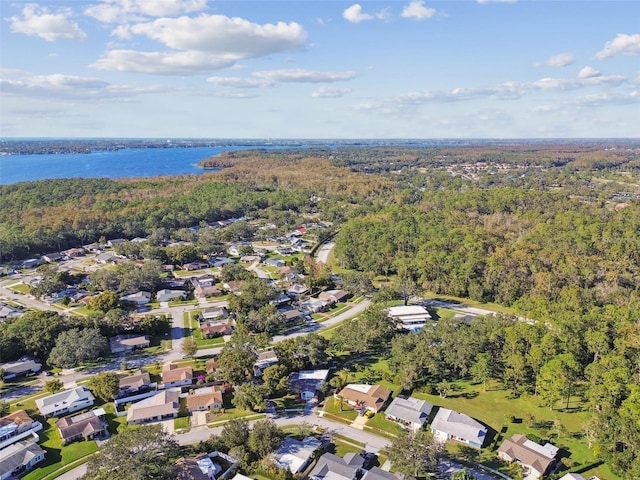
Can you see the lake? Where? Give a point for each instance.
(138, 162)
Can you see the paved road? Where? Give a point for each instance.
(322, 255)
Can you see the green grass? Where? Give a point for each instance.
(58, 455)
(379, 424)
(182, 423)
(494, 406)
(20, 288)
(332, 407)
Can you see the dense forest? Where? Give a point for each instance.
(549, 229)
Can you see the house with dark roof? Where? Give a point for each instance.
(24, 366)
(411, 411)
(333, 467)
(365, 397)
(334, 296)
(213, 330)
(132, 384)
(450, 425)
(85, 426)
(377, 473)
(535, 459)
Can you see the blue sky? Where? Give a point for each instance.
(320, 69)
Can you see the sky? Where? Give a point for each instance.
(320, 69)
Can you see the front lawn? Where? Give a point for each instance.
(58, 455)
(333, 409)
(380, 425)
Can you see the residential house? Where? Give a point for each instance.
(296, 455)
(127, 343)
(64, 402)
(266, 359)
(577, 476)
(535, 459)
(106, 257)
(166, 295)
(275, 262)
(115, 241)
(203, 399)
(161, 406)
(85, 426)
(297, 289)
(24, 366)
(75, 252)
(220, 262)
(249, 259)
(174, 376)
(212, 466)
(314, 305)
(197, 265)
(334, 296)
(450, 425)
(291, 315)
(132, 384)
(138, 298)
(410, 317)
(213, 330)
(377, 473)
(307, 382)
(31, 263)
(17, 426)
(281, 299)
(19, 458)
(214, 313)
(411, 411)
(53, 257)
(365, 397)
(333, 467)
(233, 286)
(9, 311)
(201, 292)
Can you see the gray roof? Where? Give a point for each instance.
(410, 409)
(17, 455)
(378, 474)
(337, 466)
(459, 425)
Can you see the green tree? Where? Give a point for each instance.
(107, 300)
(276, 379)
(105, 385)
(557, 378)
(249, 396)
(413, 452)
(4, 408)
(256, 293)
(234, 433)
(54, 385)
(75, 346)
(237, 359)
(463, 474)
(189, 346)
(135, 453)
(265, 437)
(482, 370)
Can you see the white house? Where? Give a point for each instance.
(307, 382)
(166, 295)
(65, 402)
(139, 298)
(409, 411)
(296, 455)
(450, 425)
(410, 317)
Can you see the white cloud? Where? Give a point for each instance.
(39, 21)
(201, 44)
(330, 92)
(354, 14)
(502, 91)
(416, 9)
(71, 87)
(601, 99)
(560, 60)
(588, 72)
(545, 108)
(166, 63)
(268, 78)
(114, 11)
(621, 45)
